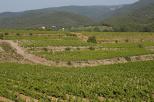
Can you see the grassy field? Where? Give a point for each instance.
(132, 43)
(19, 31)
(129, 82)
(91, 54)
(121, 82)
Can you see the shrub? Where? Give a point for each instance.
(69, 63)
(140, 46)
(17, 34)
(116, 41)
(1, 36)
(67, 49)
(127, 40)
(78, 48)
(45, 49)
(91, 48)
(92, 39)
(6, 33)
(128, 58)
(30, 34)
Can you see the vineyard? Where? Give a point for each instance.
(125, 82)
(57, 66)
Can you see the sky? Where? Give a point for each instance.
(22, 5)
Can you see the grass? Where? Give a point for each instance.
(127, 45)
(26, 31)
(119, 34)
(130, 36)
(91, 54)
(56, 39)
(34, 37)
(130, 82)
(54, 42)
(121, 82)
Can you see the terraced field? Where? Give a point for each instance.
(67, 46)
(125, 82)
(76, 67)
(132, 81)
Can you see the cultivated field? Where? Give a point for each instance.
(76, 67)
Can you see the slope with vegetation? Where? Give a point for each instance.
(36, 19)
(134, 17)
(121, 82)
(63, 66)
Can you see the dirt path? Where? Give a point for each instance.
(1, 50)
(71, 48)
(3, 99)
(38, 60)
(26, 98)
(21, 51)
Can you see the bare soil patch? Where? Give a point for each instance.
(8, 54)
(70, 48)
(1, 49)
(21, 51)
(3, 99)
(68, 98)
(81, 36)
(26, 98)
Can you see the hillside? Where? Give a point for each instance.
(132, 17)
(60, 16)
(30, 19)
(96, 13)
(135, 17)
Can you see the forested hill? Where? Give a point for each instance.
(135, 17)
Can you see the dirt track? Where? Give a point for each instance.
(21, 51)
(38, 60)
(3, 99)
(72, 48)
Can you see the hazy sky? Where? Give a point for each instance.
(20, 5)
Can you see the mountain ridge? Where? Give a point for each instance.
(135, 17)
(132, 17)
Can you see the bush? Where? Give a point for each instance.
(91, 48)
(17, 34)
(128, 58)
(67, 49)
(30, 34)
(45, 49)
(6, 33)
(1, 36)
(140, 46)
(116, 41)
(92, 39)
(69, 63)
(126, 40)
(78, 48)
